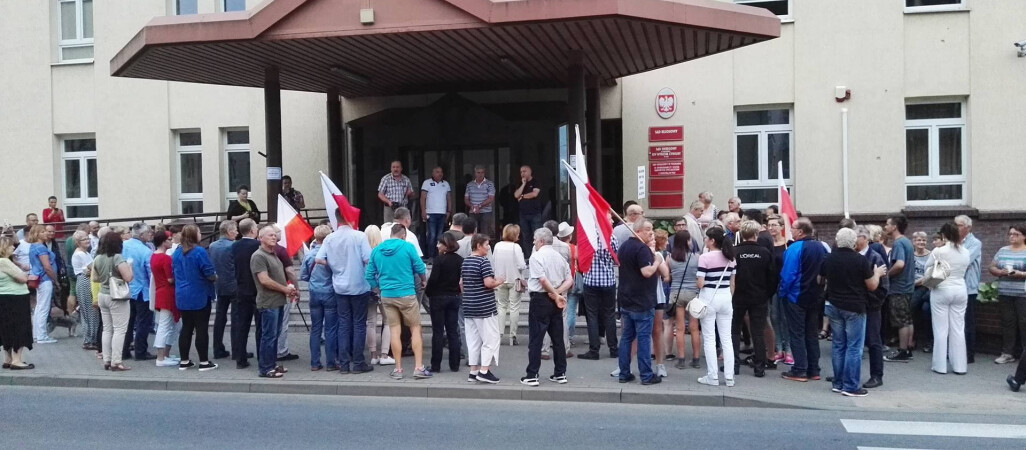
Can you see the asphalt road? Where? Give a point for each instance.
(91, 418)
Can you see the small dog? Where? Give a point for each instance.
(58, 318)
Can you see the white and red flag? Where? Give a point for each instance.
(335, 201)
(787, 210)
(593, 227)
(294, 230)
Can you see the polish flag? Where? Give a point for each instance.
(787, 210)
(294, 230)
(593, 227)
(334, 201)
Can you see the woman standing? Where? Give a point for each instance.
(243, 208)
(683, 267)
(115, 313)
(948, 302)
(921, 295)
(1009, 265)
(323, 309)
(44, 271)
(52, 214)
(778, 308)
(81, 262)
(510, 266)
(15, 318)
(716, 288)
(659, 323)
(443, 289)
(194, 277)
(374, 311)
(480, 323)
(168, 316)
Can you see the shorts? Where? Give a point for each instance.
(682, 298)
(401, 310)
(901, 310)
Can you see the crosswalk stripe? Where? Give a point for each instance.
(979, 430)
(885, 448)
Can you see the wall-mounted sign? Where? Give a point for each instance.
(666, 103)
(667, 185)
(274, 173)
(641, 182)
(666, 201)
(662, 134)
(666, 168)
(666, 152)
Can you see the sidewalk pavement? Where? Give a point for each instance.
(907, 386)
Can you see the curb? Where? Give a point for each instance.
(406, 390)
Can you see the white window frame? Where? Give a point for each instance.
(82, 158)
(186, 150)
(763, 131)
(235, 148)
(963, 5)
(789, 17)
(934, 178)
(223, 4)
(79, 40)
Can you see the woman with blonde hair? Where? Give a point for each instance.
(510, 266)
(15, 315)
(44, 274)
(114, 312)
(374, 311)
(81, 264)
(323, 309)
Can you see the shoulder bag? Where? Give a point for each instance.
(936, 273)
(119, 290)
(699, 307)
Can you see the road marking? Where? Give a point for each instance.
(980, 430)
(885, 448)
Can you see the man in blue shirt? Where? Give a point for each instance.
(227, 286)
(903, 282)
(800, 287)
(137, 254)
(346, 252)
(972, 281)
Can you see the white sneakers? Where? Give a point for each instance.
(709, 381)
(661, 370)
(168, 362)
(1004, 359)
(385, 361)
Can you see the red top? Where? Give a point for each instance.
(53, 215)
(160, 265)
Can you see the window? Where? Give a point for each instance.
(233, 5)
(185, 7)
(781, 8)
(934, 5)
(190, 172)
(75, 29)
(81, 196)
(236, 146)
(762, 139)
(935, 153)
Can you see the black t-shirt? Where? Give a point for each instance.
(846, 272)
(636, 293)
(445, 275)
(531, 206)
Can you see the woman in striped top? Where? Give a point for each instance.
(481, 325)
(716, 287)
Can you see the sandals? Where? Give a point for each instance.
(281, 369)
(272, 374)
(822, 335)
(119, 368)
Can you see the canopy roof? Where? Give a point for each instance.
(422, 46)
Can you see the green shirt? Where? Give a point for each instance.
(103, 266)
(8, 270)
(264, 261)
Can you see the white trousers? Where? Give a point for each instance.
(482, 340)
(508, 300)
(373, 312)
(947, 307)
(719, 318)
(115, 316)
(167, 330)
(44, 298)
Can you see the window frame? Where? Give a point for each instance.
(187, 150)
(83, 181)
(963, 5)
(934, 178)
(235, 148)
(789, 17)
(763, 132)
(79, 41)
(223, 4)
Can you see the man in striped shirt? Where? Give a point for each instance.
(480, 198)
(394, 189)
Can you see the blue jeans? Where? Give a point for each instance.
(352, 329)
(636, 325)
(778, 318)
(529, 223)
(803, 325)
(435, 228)
(324, 318)
(849, 332)
(572, 299)
(269, 322)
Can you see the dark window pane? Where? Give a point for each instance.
(191, 169)
(933, 111)
(234, 5)
(83, 212)
(767, 117)
(779, 150)
(91, 178)
(747, 157)
(778, 7)
(935, 192)
(917, 153)
(238, 170)
(183, 7)
(69, 21)
(911, 3)
(79, 145)
(72, 179)
(238, 137)
(759, 195)
(192, 207)
(190, 138)
(950, 151)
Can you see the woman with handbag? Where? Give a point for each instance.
(113, 274)
(44, 276)
(683, 265)
(945, 276)
(510, 266)
(194, 277)
(81, 263)
(15, 315)
(716, 288)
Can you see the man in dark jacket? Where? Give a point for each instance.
(874, 319)
(754, 284)
(799, 285)
(242, 253)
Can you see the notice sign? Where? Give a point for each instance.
(641, 182)
(274, 173)
(664, 134)
(666, 152)
(666, 169)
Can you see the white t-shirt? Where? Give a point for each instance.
(21, 253)
(436, 195)
(411, 237)
(80, 260)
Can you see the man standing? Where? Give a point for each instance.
(457, 225)
(31, 220)
(622, 232)
(392, 268)
(637, 294)
(755, 279)
(394, 190)
(479, 199)
(972, 281)
(874, 316)
(800, 287)
(694, 227)
(734, 206)
(273, 291)
(292, 196)
(227, 287)
(137, 254)
(529, 204)
(346, 252)
(435, 208)
(401, 216)
(903, 283)
(242, 252)
(547, 303)
(286, 310)
(94, 239)
(600, 302)
(732, 222)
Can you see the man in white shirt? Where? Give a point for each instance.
(435, 208)
(548, 301)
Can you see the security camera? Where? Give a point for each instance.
(1022, 48)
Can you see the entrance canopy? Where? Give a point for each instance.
(424, 46)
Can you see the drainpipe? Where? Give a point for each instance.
(844, 157)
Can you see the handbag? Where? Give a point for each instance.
(699, 307)
(119, 290)
(936, 273)
(33, 282)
